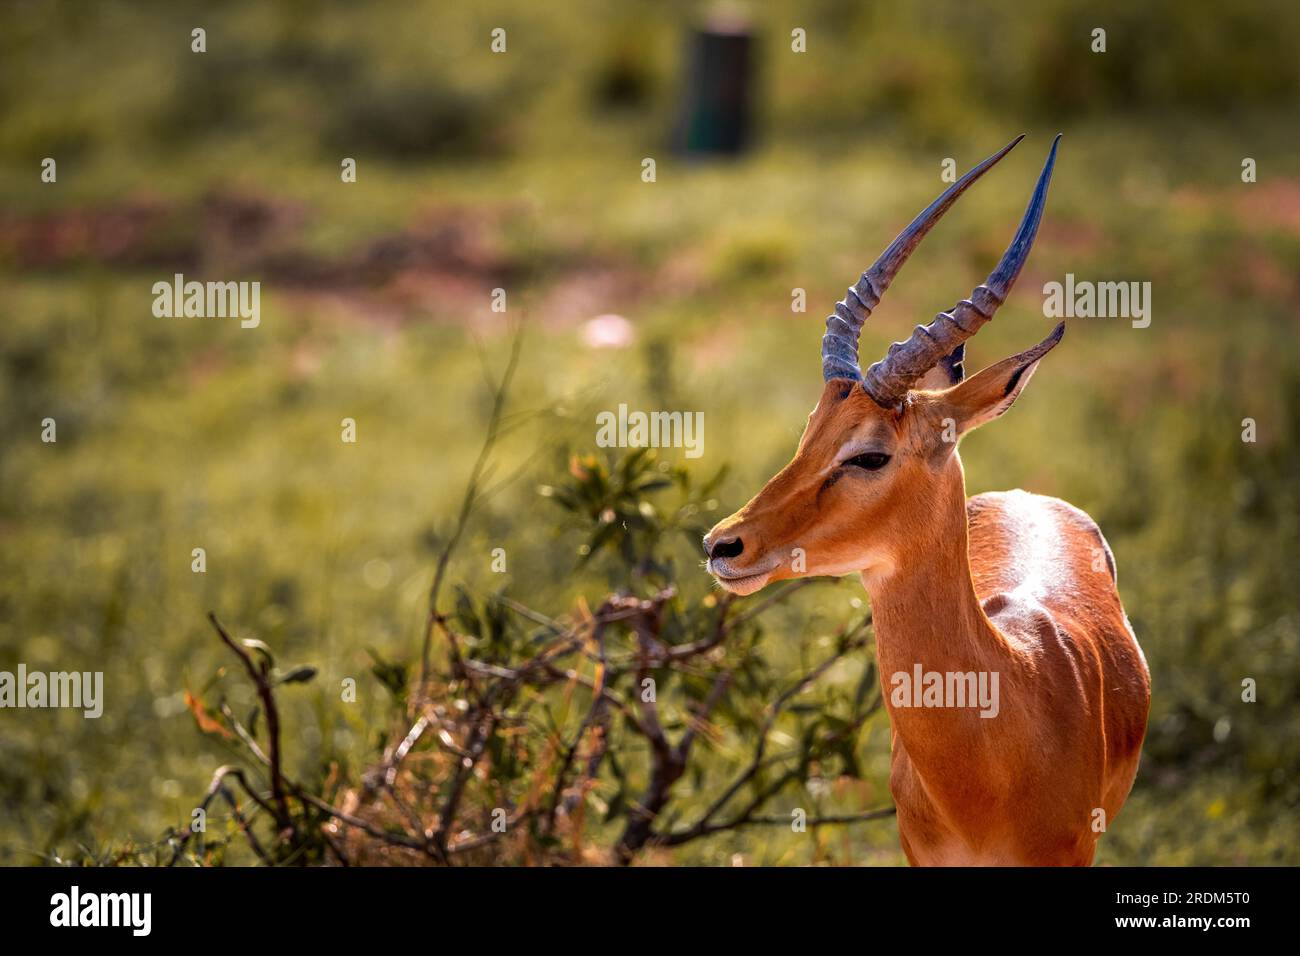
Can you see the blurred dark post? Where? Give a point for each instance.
(717, 106)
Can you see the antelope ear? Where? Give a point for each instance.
(986, 395)
(949, 371)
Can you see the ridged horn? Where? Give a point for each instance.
(889, 379)
(840, 343)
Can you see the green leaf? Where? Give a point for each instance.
(865, 686)
(392, 674)
(301, 674)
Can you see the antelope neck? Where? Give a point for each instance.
(926, 612)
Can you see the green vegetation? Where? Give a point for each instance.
(522, 171)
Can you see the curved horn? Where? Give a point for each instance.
(889, 379)
(840, 343)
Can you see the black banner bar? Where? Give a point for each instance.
(366, 905)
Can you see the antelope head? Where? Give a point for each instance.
(876, 463)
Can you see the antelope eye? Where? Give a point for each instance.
(871, 461)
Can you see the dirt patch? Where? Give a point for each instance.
(443, 265)
(1274, 203)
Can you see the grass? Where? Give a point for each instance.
(178, 434)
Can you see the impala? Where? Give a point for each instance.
(1012, 585)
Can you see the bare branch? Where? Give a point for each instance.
(472, 491)
(283, 817)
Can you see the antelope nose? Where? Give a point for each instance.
(726, 548)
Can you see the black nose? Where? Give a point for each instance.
(727, 548)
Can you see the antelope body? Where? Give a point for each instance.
(1010, 584)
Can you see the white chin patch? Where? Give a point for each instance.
(743, 586)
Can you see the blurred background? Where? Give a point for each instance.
(522, 170)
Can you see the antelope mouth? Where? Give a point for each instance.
(741, 583)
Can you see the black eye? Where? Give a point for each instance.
(872, 460)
